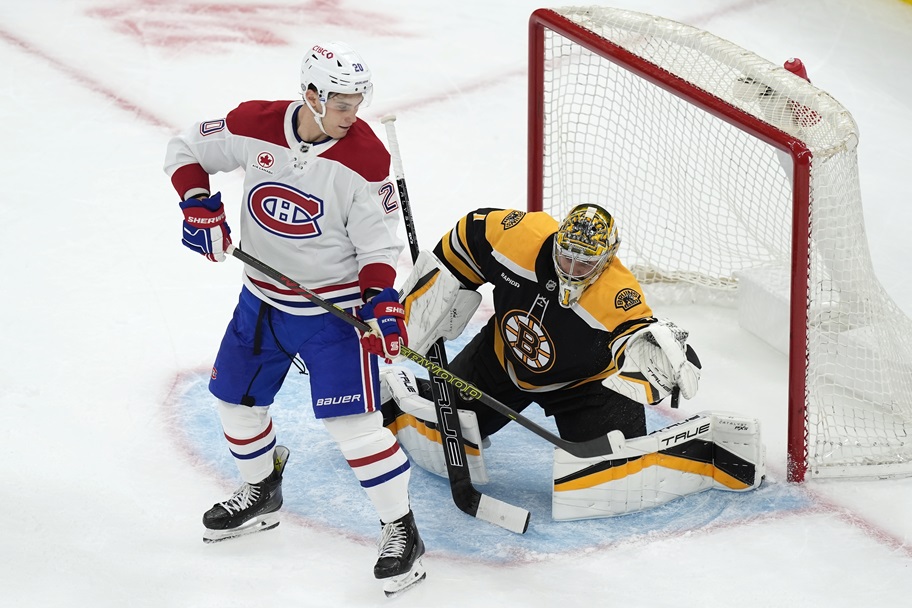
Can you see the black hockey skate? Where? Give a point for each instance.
(253, 508)
(401, 549)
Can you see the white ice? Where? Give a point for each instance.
(109, 450)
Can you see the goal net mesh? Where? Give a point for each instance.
(706, 154)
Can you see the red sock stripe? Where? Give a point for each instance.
(360, 462)
(252, 439)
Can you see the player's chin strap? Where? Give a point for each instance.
(318, 118)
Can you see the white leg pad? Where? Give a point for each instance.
(417, 430)
(710, 450)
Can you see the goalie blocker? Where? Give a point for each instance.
(712, 450)
(436, 304)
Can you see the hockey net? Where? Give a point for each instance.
(725, 170)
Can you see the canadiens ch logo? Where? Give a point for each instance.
(627, 298)
(513, 218)
(265, 160)
(284, 211)
(528, 340)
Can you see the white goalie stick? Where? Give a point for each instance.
(465, 495)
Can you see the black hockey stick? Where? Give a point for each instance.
(600, 446)
(465, 495)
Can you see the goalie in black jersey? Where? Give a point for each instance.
(571, 332)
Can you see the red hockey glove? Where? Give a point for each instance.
(205, 229)
(386, 316)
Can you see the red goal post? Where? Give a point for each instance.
(736, 181)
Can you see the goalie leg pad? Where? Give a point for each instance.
(710, 450)
(436, 305)
(415, 426)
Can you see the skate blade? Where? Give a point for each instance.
(396, 585)
(257, 524)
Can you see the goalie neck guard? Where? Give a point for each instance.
(584, 245)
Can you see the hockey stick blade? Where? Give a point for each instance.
(465, 495)
(599, 446)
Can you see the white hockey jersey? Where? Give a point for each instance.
(325, 215)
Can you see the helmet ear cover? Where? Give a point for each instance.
(585, 243)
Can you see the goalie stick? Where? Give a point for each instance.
(465, 495)
(600, 446)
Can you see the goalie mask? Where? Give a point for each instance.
(584, 245)
(335, 67)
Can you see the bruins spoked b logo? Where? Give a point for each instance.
(528, 340)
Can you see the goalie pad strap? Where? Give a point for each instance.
(710, 450)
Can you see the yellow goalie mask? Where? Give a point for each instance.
(584, 245)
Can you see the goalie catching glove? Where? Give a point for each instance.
(654, 361)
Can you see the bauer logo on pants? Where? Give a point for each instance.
(284, 211)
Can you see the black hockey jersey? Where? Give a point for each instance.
(541, 345)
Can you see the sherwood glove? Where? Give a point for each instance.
(205, 229)
(386, 316)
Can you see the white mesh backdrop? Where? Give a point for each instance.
(698, 201)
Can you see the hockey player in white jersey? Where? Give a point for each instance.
(319, 206)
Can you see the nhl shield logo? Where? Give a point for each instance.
(513, 218)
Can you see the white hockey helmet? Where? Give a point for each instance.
(334, 67)
(584, 245)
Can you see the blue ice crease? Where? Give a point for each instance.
(320, 487)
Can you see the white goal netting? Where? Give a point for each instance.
(722, 167)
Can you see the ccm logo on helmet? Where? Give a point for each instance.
(321, 51)
(284, 211)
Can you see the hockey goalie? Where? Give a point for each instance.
(571, 332)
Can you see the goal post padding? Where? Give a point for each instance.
(728, 176)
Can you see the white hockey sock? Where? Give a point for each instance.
(251, 439)
(376, 459)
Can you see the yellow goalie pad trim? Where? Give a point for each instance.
(651, 460)
(407, 420)
(412, 297)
